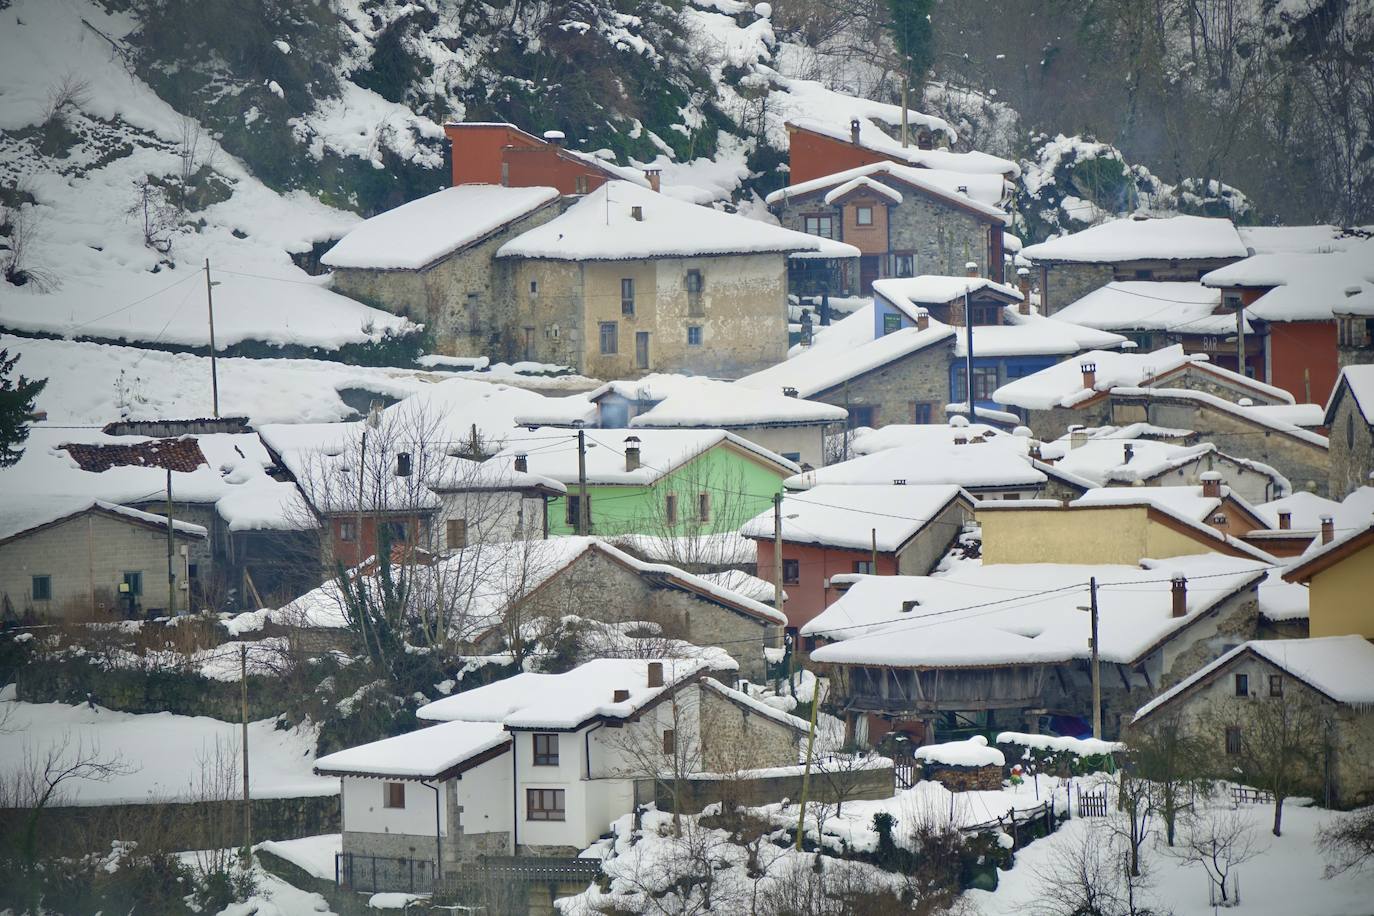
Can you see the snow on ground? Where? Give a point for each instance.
(162, 752)
(275, 897)
(312, 854)
(1286, 879)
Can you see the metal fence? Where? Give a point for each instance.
(371, 874)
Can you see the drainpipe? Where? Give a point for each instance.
(514, 796)
(438, 842)
(587, 748)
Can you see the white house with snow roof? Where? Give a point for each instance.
(543, 763)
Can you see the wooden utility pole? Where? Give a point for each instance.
(583, 516)
(778, 599)
(806, 772)
(968, 357)
(906, 124)
(171, 549)
(214, 370)
(247, 803)
(1240, 339)
(1096, 665)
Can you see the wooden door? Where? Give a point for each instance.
(641, 349)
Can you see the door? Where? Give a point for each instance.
(868, 272)
(641, 349)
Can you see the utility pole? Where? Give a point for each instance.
(968, 357)
(806, 773)
(583, 516)
(1096, 665)
(777, 587)
(906, 124)
(247, 803)
(171, 540)
(214, 370)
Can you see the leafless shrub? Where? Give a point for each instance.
(1217, 841)
(23, 227)
(1348, 843)
(70, 90)
(157, 215)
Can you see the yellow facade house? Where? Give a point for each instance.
(1340, 577)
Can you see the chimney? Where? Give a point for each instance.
(1023, 277)
(789, 392)
(522, 462)
(655, 177)
(1328, 529)
(1211, 485)
(655, 674)
(631, 453)
(620, 696)
(1180, 595)
(854, 131)
(960, 437)
(637, 214)
(1285, 521)
(1035, 451)
(1089, 375)
(962, 189)
(1078, 435)
(971, 268)
(403, 464)
(554, 137)
(922, 319)
(1127, 452)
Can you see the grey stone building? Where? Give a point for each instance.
(905, 222)
(1350, 417)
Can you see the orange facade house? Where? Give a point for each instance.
(503, 154)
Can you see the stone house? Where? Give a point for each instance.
(1229, 703)
(1350, 418)
(839, 530)
(431, 260)
(84, 559)
(1339, 574)
(627, 282)
(542, 764)
(905, 221)
(1355, 330)
(1180, 248)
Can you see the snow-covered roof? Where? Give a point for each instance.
(935, 436)
(1027, 613)
(1296, 239)
(601, 226)
(983, 192)
(1319, 556)
(449, 410)
(866, 183)
(873, 138)
(695, 402)
(661, 451)
(1306, 510)
(564, 701)
(742, 583)
(19, 514)
(1341, 667)
(974, 466)
(418, 233)
(1079, 747)
(739, 697)
(1103, 460)
(425, 753)
(908, 293)
(845, 351)
(856, 517)
(971, 752)
(1308, 416)
(1360, 381)
(1138, 305)
(1258, 418)
(1177, 237)
(1033, 335)
(1185, 504)
(1305, 287)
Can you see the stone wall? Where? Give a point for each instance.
(825, 786)
(894, 389)
(1064, 284)
(1352, 449)
(965, 779)
(734, 737)
(1195, 379)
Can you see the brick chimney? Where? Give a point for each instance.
(1089, 375)
(1023, 280)
(554, 137)
(922, 319)
(403, 464)
(971, 268)
(655, 177)
(854, 131)
(631, 453)
(1328, 529)
(960, 437)
(620, 696)
(522, 462)
(655, 674)
(1179, 591)
(1035, 451)
(1211, 485)
(1285, 521)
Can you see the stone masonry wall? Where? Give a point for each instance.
(1352, 449)
(853, 785)
(966, 779)
(893, 390)
(733, 737)
(1070, 282)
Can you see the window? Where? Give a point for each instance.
(1233, 739)
(580, 184)
(1144, 274)
(695, 284)
(348, 530)
(457, 533)
(985, 313)
(545, 750)
(903, 265)
(824, 226)
(41, 588)
(860, 415)
(794, 457)
(474, 320)
(393, 795)
(694, 281)
(1276, 685)
(534, 287)
(670, 508)
(891, 322)
(669, 741)
(791, 572)
(704, 506)
(1242, 685)
(984, 384)
(134, 581)
(610, 339)
(572, 505)
(694, 335)
(922, 412)
(544, 805)
(627, 296)
(641, 349)
(863, 216)
(864, 567)
(396, 532)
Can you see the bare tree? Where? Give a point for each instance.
(45, 776)
(156, 214)
(1082, 877)
(70, 90)
(1174, 761)
(1348, 843)
(1131, 824)
(1217, 842)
